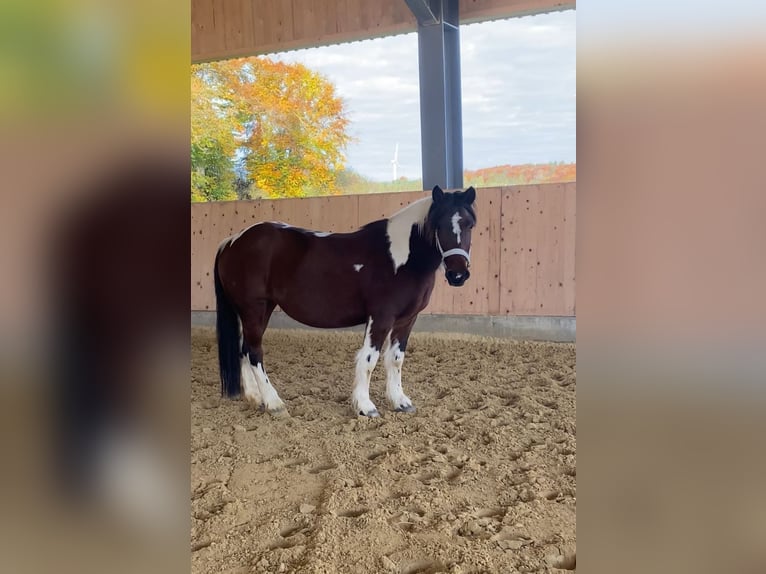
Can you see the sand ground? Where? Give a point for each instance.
(481, 479)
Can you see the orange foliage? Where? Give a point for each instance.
(289, 120)
(522, 174)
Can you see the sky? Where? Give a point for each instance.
(518, 92)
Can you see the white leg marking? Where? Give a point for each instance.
(358, 267)
(366, 359)
(250, 383)
(271, 399)
(456, 226)
(393, 359)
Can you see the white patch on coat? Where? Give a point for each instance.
(366, 359)
(393, 359)
(358, 267)
(456, 226)
(399, 227)
(321, 233)
(223, 245)
(271, 399)
(250, 383)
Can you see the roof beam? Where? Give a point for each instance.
(423, 12)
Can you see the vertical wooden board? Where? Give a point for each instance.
(238, 24)
(218, 39)
(518, 266)
(305, 21)
(341, 22)
(194, 245)
(527, 289)
(278, 21)
(352, 15)
(261, 15)
(550, 268)
(509, 245)
(492, 215)
(370, 15)
(569, 247)
(330, 13)
(204, 39)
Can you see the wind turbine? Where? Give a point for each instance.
(395, 161)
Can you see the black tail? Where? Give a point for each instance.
(227, 328)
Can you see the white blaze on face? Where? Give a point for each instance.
(358, 267)
(456, 226)
(366, 359)
(399, 227)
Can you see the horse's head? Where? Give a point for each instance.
(451, 219)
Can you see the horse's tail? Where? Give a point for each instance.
(227, 329)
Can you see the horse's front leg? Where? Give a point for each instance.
(366, 359)
(393, 359)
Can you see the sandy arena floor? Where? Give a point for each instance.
(481, 479)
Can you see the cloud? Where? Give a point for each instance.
(518, 93)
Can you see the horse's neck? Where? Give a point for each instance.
(425, 254)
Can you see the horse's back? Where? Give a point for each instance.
(309, 274)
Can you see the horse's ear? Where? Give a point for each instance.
(469, 195)
(437, 194)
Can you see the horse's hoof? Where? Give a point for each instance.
(405, 409)
(279, 413)
(255, 404)
(372, 414)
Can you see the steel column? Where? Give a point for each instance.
(441, 129)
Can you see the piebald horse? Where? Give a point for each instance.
(381, 275)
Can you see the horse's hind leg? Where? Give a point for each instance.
(254, 322)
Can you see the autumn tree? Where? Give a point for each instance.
(282, 123)
(213, 143)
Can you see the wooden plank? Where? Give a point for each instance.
(306, 23)
(205, 38)
(238, 24)
(492, 279)
(569, 248)
(518, 275)
(550, 268)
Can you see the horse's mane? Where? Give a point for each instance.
(399, 228)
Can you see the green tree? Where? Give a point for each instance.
(212, 143)
(284, 122)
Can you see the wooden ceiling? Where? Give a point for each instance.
(223, 29)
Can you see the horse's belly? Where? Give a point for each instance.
(325, 306)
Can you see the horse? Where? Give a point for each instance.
(381, 276)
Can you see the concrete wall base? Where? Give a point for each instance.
(526, 328)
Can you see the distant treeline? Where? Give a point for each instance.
(351, 182)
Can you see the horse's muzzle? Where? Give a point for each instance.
(457, 278)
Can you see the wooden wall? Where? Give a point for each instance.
(522, 256)
(224, 29)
